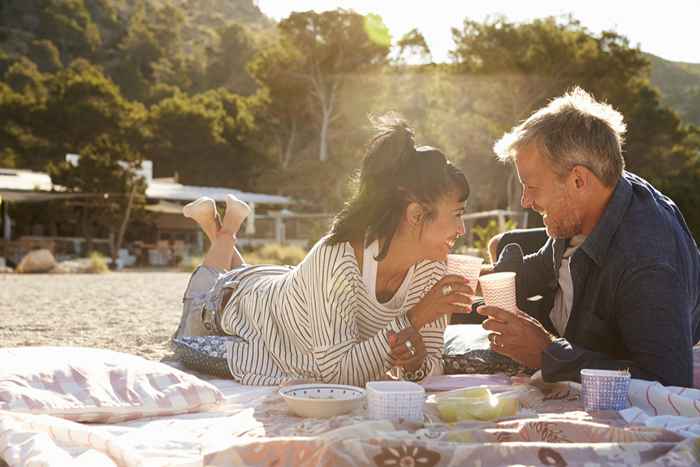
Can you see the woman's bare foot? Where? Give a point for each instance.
(236, 212)
(203, 211)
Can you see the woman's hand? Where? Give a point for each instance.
(407, 349)
(451, 294)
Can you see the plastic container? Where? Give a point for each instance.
(395, 400)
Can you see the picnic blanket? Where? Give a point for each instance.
(253, 427)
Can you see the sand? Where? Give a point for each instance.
(134, 312)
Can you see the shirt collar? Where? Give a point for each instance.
(598, 241)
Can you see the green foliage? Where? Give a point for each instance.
(413, 46)
(274, 253)
(214, 91)
(98, 263)
(204, 138)
(190, 263)
(483, 234)
(679, 84)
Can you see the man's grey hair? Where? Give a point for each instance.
(572, 130)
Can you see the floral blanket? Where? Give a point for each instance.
(552, 429)
(254, 427)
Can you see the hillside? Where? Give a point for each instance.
(679, 84)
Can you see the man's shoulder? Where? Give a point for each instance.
(652, 226)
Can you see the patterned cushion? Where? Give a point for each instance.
(97, 385)
(467, 352)
(205, 354)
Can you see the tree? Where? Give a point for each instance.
(331, 46)
(529, 63)
(68, 24)
(107, 174)
(228, 60)
(286, 113)
(412, 48)
(204, 138)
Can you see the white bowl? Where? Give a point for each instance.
(322, 400)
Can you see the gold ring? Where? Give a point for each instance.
(446, 290)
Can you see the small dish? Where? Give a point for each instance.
(322, 400)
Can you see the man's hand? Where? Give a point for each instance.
(516, 335)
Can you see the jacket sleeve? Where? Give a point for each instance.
(653, 315)
(534, 273)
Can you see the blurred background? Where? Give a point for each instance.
(115, 113)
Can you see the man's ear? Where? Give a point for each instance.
(581, 177)
(414, 213)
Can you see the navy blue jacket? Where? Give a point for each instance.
(636, 284)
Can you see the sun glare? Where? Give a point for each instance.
(668, 30)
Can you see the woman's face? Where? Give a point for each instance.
(440, 233)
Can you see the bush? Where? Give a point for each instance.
(485, 233)
(275, 253)
(98, 263)
(190, 263)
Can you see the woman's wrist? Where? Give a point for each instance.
(412, 316)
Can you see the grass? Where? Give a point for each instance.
(271, 253)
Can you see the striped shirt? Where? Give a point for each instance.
(317, 321)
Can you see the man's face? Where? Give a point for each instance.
(545, 192)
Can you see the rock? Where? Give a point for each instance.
(37, 261)
(75, 266)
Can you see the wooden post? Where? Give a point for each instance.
(250, 222)
(6, 221)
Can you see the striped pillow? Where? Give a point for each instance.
(96, 385)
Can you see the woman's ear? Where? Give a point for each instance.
(415, 214)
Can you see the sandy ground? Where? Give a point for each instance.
(134, 312)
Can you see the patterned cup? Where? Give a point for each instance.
(498, 290)
(466, 266)
(605, 389)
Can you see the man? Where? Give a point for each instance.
(620, 271)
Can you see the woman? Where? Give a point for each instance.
(369, 296)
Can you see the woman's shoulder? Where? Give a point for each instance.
(331, 254)
(429, 272)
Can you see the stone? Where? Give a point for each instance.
(37, 261)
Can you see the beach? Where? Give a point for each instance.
(133, 312)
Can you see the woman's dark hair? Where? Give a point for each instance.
(395, 173)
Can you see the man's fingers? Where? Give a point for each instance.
(491, 324)
(496, 313)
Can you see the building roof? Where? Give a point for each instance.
(167, 190)
(28, 186)
(11, 179)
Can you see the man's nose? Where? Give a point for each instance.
(525, 201)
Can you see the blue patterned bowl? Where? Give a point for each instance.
(322, 400)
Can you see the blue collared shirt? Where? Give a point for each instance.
(636, 282)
